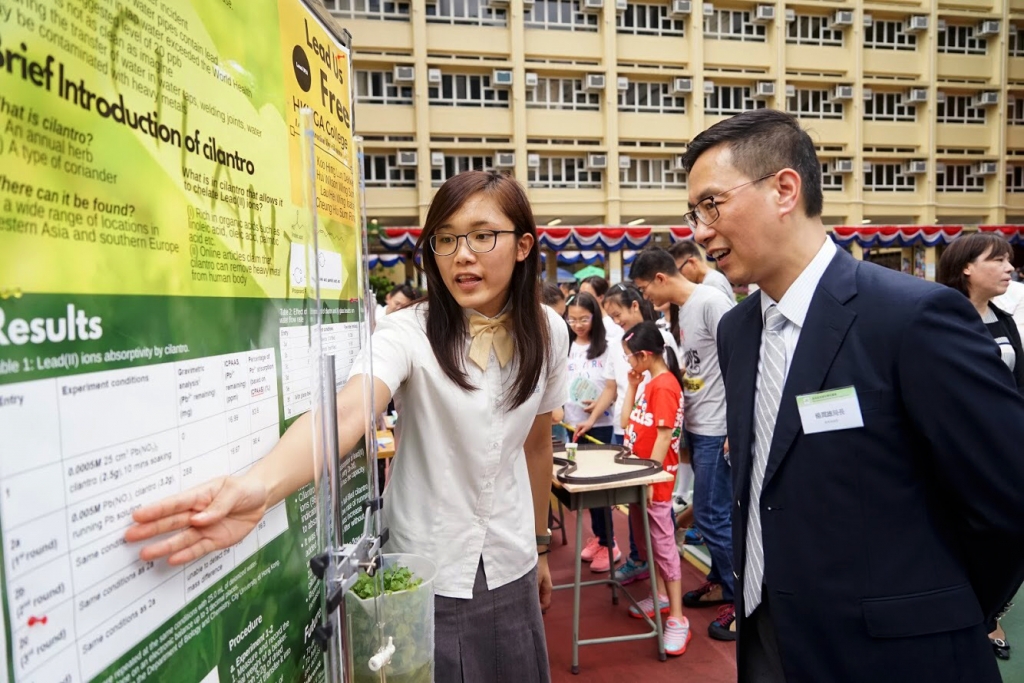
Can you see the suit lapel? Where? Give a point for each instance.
(743, 383)
(825, 327)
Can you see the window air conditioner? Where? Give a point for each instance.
(620, 5)
(495, 3)
(764, 90)
(867, 166)
(868, 93)
(593, 5)
(709, 9)
(986, 168)
(681, 7)
(790, 90)
(988, 28)
(842, 166)
(764, 14)
(986, 99)
(842, 92)
(597, 161)
(437, 158)
(682, 85)
(531, 79)
(504, 159)
(624, 161)
(790, 15)
(917, 23)
(940, 25)
(677, 163)
(406, 159)
(917, 95)
(843, 17)
(433, 75)
(404, 74)
(533, 160)
(622, 83)
(709, 87)
(916, 167)
(595, 82)
(868, 21)
(501, 78)
(940, 167)
(940, 96)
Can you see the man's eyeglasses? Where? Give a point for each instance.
(585, 320)
(706, 210)
(479, 241)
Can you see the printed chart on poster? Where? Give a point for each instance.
(156, 277)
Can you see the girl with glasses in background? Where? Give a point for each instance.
(591, 393)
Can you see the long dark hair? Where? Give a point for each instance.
(626, 294)
(446, 320)
(598, 339)
(646, 336)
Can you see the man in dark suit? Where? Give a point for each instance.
(876, 436)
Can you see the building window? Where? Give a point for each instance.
(390, 10)
(882, 177)
(1016, 47)
(814, 104)
(1015, 111)
(467, 90)
(830, 182)
(959, 178)
(379, 87)
(466, 12)
(383, 171)
(961, 40)
(889, 35)
(731, 99)
(562, 93)
(454, 165)
(730, 24)
(648, 20)
(643, 96)
(563, 15)
(888, 106)
(812, 30)
(564, 172)
(657, 174)
(1014, 178)
(958, 109)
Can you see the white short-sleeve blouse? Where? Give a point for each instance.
(459, 488)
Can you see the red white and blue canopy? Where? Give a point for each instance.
(1014, 233)
(896, 235)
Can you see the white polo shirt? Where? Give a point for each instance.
(459, 488)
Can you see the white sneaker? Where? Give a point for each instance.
(677, 635)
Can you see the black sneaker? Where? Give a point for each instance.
(724, 625)
(699, 597)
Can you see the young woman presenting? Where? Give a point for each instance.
(475, 371)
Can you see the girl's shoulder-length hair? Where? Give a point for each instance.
(446, 320)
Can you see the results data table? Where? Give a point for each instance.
(78, 455)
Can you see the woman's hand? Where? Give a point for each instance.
(543, 583)
(208, 517)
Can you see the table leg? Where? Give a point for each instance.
(611, 551)
(576, 594)
(654, 577)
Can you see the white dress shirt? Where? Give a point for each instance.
(459, 487)
(797, 299)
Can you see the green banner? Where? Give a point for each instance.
(156, 313)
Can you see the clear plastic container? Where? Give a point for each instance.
(408, 618)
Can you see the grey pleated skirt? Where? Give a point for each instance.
(496, 637)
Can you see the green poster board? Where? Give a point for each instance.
(155, 324)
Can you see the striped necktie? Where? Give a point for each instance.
(770, 378)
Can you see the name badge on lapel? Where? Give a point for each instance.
(830, 410)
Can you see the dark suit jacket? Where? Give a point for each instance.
(887, 547)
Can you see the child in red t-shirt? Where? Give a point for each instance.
(653, 424)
